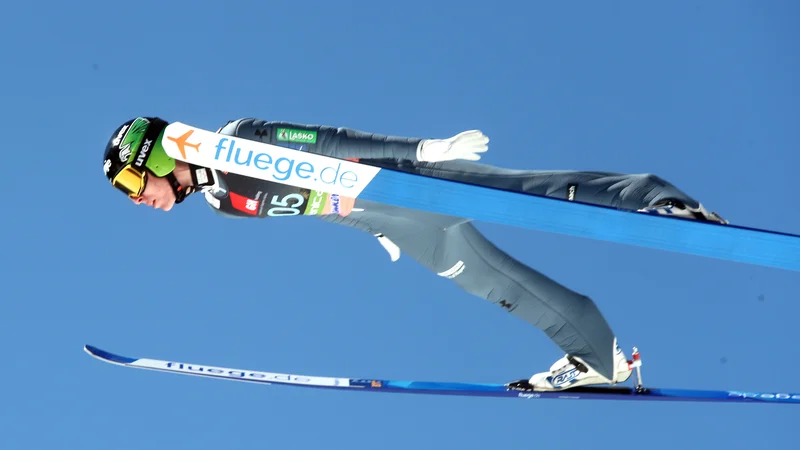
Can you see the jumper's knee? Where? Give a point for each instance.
(650, 179)
(648, 189)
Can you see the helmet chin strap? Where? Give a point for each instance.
(201, 176)
(180, 192)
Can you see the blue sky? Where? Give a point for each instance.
(703, 94)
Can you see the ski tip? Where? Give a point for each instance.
(107, 356)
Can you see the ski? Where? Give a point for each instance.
(348, 178)
(511, 390)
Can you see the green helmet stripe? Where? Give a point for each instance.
(133, 138)
(158, 161)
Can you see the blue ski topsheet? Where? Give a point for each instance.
(442, 388)
(407, 190)
(727, 242)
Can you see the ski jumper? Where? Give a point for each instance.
(450, 247)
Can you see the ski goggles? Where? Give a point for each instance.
(130, 181)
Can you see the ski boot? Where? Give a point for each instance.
(572, 371)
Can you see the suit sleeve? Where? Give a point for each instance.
(325, 140)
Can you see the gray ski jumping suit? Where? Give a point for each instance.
(452, 247)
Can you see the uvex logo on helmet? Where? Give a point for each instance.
(141, 155)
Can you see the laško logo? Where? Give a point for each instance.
(303, 136)
(146, 146)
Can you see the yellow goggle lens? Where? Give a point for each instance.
(130, 181)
